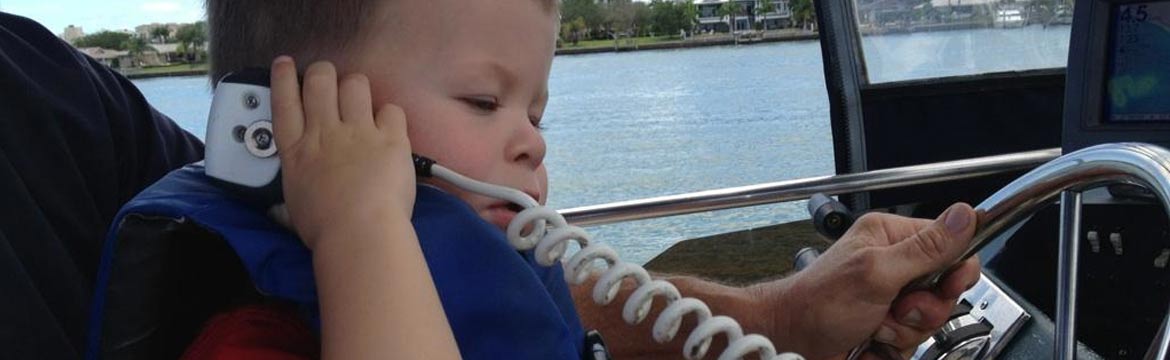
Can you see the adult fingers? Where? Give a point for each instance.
(932, 248)
(923, 311)
(287, 114)
(319, 97)
(900, 337)
(356, 106)
(961, 278)
(880, 351)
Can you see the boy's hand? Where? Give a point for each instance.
(342, 165)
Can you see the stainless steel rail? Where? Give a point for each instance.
(1066, 283)
(799, 189)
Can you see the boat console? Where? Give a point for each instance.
(1084, 265)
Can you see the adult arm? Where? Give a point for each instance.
(77, 140)
(850, 294)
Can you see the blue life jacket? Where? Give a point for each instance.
(499, 302)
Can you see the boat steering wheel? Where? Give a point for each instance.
(991, 316)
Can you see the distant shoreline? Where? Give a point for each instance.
(646, 44)
(700, 41)
(134, 76)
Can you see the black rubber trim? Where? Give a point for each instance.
(249, 76)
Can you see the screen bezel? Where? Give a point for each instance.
(1110, 62)
(1086, 119)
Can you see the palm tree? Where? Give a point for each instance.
(191, 37)
(766, 6)
(730, 9)
(803, 13)
(136, 46)
(161, 33)
(691, 14)
(579, 27)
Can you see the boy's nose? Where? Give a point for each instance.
(526, 145)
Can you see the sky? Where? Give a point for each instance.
(95, 15)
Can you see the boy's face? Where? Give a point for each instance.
(472, 78)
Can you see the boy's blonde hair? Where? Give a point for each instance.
(250, 33)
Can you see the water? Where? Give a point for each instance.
(641, 124)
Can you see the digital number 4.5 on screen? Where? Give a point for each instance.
(1135, 13)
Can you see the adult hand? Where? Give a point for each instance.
(853, 292)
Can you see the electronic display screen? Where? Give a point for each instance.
(1138, 81)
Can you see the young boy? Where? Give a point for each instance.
(470, 79)
(476, 102)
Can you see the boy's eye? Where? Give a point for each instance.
(485, 104)
(535, 120)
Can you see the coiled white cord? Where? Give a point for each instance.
(550, 234)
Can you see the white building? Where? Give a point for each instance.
(747, 19)
(72, 33)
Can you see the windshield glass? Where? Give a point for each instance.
(919, 39)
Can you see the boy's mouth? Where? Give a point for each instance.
(514, 207)
(501, 214)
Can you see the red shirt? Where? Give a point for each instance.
(260, 332)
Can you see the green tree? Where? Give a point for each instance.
(803, 13)
(641, 16)
(579, 29)
(573, 30)
(160, 33)
(766, 6)
(587, 10)
(103, 39)
(136, 46)
(730, 9)
(669, 17)
(191, 38)
(690, 12)
(566, 34)
(619, 17)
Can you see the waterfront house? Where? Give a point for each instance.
(747, 19)
(964, 9)
(113, 58)
(166, 53)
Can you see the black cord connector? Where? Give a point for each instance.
(830, 217)
(422, 165)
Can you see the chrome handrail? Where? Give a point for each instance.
(800, 189)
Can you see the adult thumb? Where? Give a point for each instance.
(934, 247)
